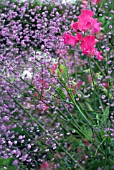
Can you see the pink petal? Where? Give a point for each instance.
(74, 26)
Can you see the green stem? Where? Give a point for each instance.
(73, 100)
(98, 67)
(75, 67)
(99, 146)
(95, 93)
(39, 124)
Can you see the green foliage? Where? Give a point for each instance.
(61, 93)
(105, 116)
(7, 163)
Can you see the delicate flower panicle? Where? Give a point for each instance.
(23, 29)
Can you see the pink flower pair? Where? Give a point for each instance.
(88, 47)
(72, 40)
(86, 22)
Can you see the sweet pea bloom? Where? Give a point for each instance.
(86, 22)
(96, 26)
(74, 26)
(87, 45)
(70, 39)
(98, 54)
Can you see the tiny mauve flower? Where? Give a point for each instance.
(15, 162)
(84, 3)
(90, 78)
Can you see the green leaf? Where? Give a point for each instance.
(105, 115)
(89, 106)
(4, 162)
(65, 74)
(12, 80)
(61, 93)
(63, 71)
(102, 19)
(89, 135)
(7, 163)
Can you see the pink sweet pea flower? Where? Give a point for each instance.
(79, 37)
(84, 23)
(87, 45)
(70, 39)
(96, 26)
(74, 26)
(85, 20)
(94, 2)
(98, 55)
(88, 13)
